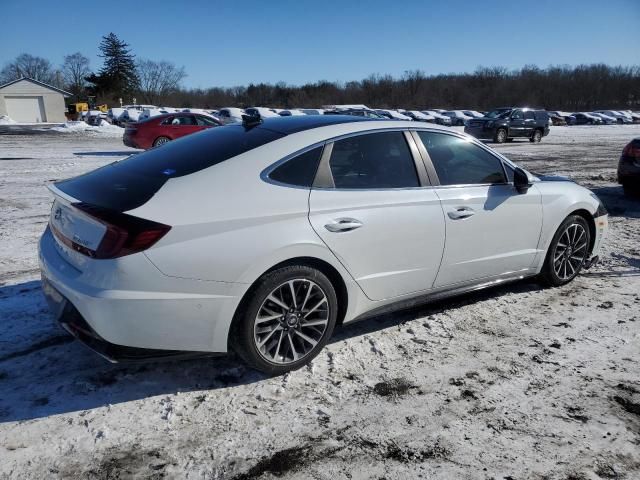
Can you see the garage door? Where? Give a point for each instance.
(26, 109)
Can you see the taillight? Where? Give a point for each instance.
(632, 150)
(125, 234)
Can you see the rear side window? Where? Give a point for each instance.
(460, 162)
(542, 116)
(299, 170)
(528, 115)
(130, 183)
(375, 160)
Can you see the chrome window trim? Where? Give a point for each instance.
(323, 179)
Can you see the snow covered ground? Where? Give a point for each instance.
(513, 383)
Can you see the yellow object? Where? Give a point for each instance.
(104, 108)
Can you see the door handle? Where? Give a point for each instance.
(461, 212)
(343, 225)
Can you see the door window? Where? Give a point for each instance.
(460, 162)
(205, 121)
(183, 120)
(517, 115)
(375, 160)
(528, 115)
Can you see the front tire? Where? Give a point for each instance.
(288, 318)
(567, 253)
(501, 135)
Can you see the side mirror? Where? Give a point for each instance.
(521, 180)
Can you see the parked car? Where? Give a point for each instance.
(556, 119)
(606, 119)
(569, 118)
(160, 129)
(356, 112)
(419, 116)
(458, 117)
(230, 115)
(584, 118)
(129, 115)
(95, 117)
(619, 116)
(312, 111)
(629, 168)
(292, 112)
(113, 114)
(392, 114)
(440, 119)
(261, 112)
(504, 124)
(159, 251)
(473, 113)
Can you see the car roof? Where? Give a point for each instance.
(299, 123)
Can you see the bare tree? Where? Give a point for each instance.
(75, 69)
(158, 79)
(26, 65)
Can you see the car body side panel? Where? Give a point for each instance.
(398, 248)
(559, 200)
(500, 236)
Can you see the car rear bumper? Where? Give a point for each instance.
(629, 171)
(127, 302)
(129, 142)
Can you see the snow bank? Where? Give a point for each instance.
(105, 129)
(4, 120)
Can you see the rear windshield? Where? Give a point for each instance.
(130, 183)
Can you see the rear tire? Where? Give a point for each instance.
(161, 141)
(286, 320)
(567, 252)
(501, 136)
(536, 137)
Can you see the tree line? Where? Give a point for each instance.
(563, 87)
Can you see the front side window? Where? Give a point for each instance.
(460, 162)
(375, 160)
(183, 120)
(517, 115)
(205, 121)
(299, 170)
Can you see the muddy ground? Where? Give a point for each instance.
(518, 382)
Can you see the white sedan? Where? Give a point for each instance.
(262, 237)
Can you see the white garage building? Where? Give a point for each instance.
(29, 101)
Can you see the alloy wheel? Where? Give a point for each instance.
(570, 252)
(291, 321)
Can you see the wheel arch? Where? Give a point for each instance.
(581, 212)
(325, 267)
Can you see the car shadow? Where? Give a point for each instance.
(616, 202)
(44, 371)
(107, 154)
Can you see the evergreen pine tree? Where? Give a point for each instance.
(118, 75)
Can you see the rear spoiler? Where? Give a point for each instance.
(59, 193)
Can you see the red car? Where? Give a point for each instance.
(161, 129)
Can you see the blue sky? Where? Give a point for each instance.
(226, 43)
